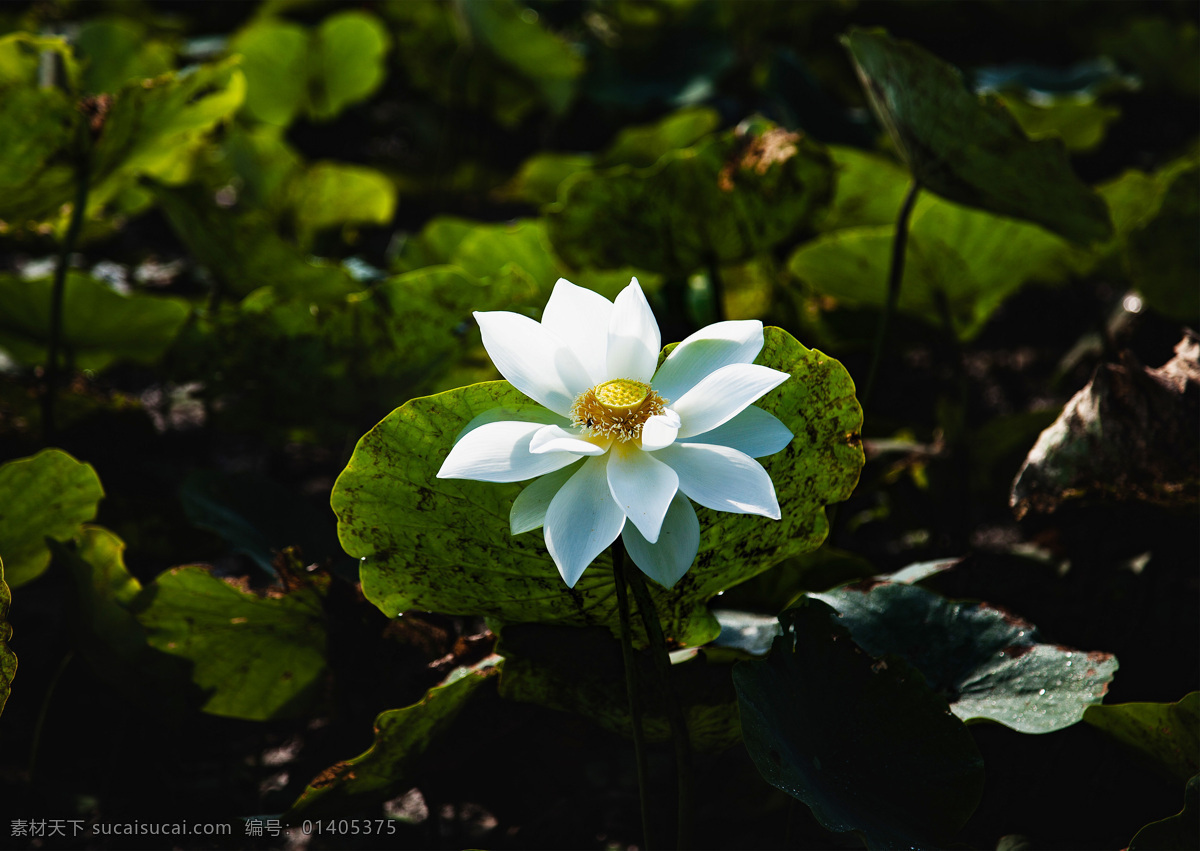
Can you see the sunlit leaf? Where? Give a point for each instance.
(971, 150)
(99, 326)
(722, 201)
(347, 65)
(261, 656)
(1080, 124)
(444, 545)
(328, 194)
(870, 190)
(863, 742)
(275, 59)
(402, 737)
(48, 495)
(986, 663)
(961, 263)
(1168, 733)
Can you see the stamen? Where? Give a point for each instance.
(616, 409)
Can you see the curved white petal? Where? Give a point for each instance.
(554, 438)
(667, 560)
(633, 337)
(753, 432)
(582, 520)
(723, 394)
(579, 318)
(529, 508)
(643, 487)
(721, 478)
(660, 430)
(499, 452)
(706, 351)
(533, 359)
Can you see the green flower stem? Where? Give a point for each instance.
(631, 686)
(82, 175)
(679, 729)
(895, 276)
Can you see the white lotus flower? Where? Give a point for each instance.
(622, 447)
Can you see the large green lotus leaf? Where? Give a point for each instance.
(870, 190)
(99, 326)
(244, 250)
(986, 663)
(969, 149)
(722, 201)
(328, 194)
(1174, 833)
(347, 64)
(972, 259)
(581, 671)
(38, 131)
(262, 656)
(1161, 253)
(8, 659)
(114, 50)
(391, 765)
(863, 742)
(48, 495)
(275, 58)
(1168, 733)
(154, 126)
(444, 544)
(517, 40)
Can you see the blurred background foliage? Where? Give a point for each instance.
(293, 207)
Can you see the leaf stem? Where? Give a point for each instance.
(679, 729)
(895, 276)
(631, 686)
(58, 289)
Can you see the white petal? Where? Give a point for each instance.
(582, 520)
(660, 430)
(709, 349)
(669, 559)
(579, 318)
(753, 431)
(633, 338)
(533, 359)
(554, 438)
(529, 508)
(721, 478)
(643, 487)
(499, 452)
(723, 394)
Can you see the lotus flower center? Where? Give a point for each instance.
(617, 409)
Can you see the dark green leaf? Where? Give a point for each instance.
(722, 201)
(1168, 733)
(1174, 833)
(967, 149)
(444, 544)
(986, 663)
(115, 49)
(863, 742)
(46, 496)
(261, 656)
(1163, 260)
(402, 736)
(99, 326)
